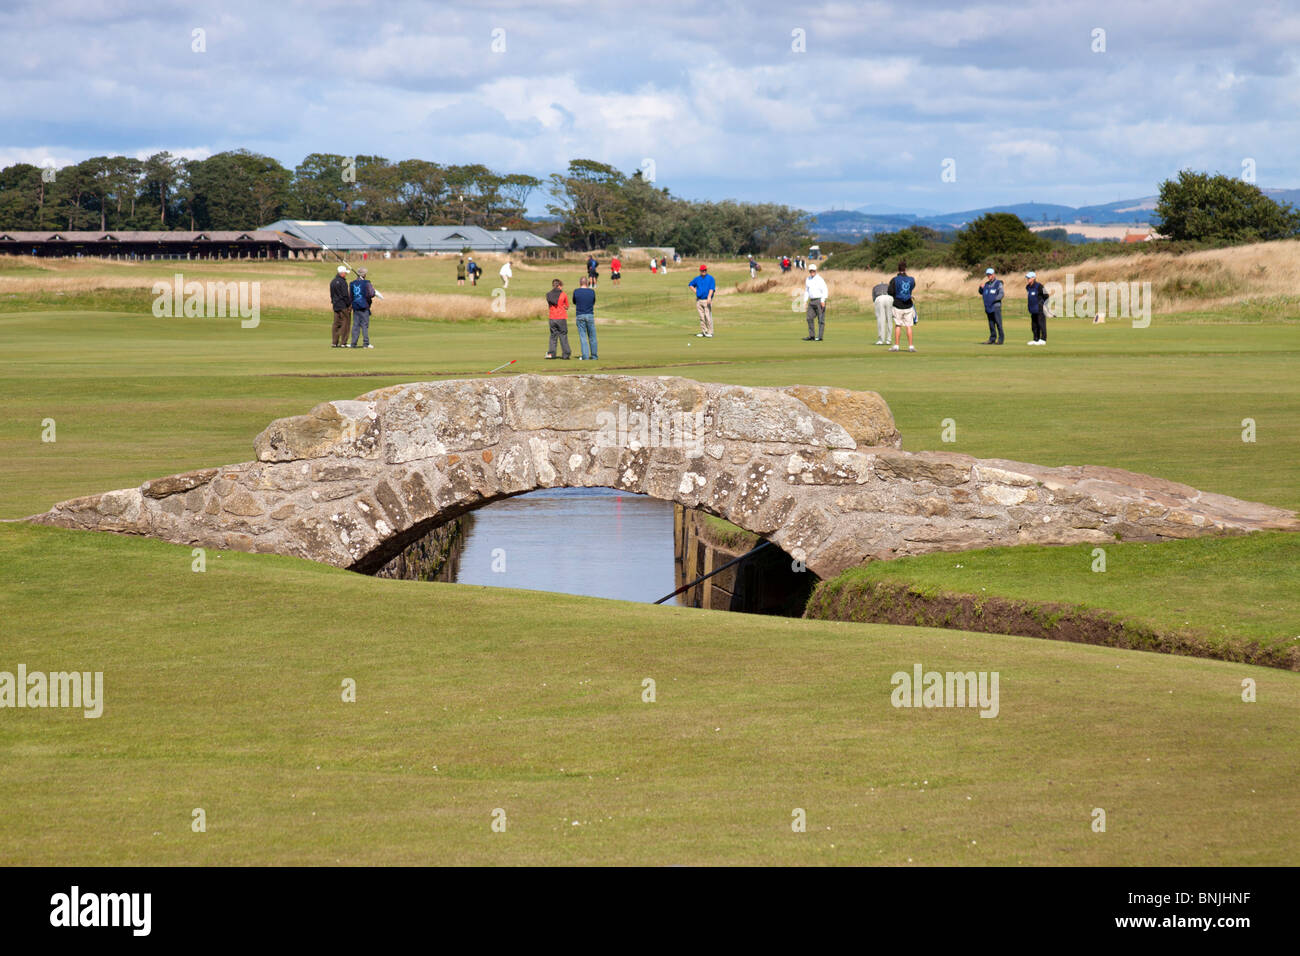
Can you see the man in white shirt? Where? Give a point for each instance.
(883, 303)
(506, 273)
(816, 293)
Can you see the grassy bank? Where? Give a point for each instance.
(1228, 598)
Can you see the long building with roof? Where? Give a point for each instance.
(158, 244)
(346, 237)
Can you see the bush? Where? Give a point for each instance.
(996, 239)
(1200, 207)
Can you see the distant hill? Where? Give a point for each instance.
(885, 209)
(854, 224)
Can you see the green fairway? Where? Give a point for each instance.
(223, 693)
(134, 396)
(223, 687)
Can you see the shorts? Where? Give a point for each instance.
(616, 275)
(903, 317)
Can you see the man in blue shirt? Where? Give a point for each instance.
(991, 293)
(584, 303)
(1036, 293)
(904, 309)
(704, 287)
(363, 294)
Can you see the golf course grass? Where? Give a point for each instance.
(223, 688)
(223, 693)
(1231, 598)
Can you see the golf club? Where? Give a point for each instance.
(378, 294)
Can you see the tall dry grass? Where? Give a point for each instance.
(305, 293)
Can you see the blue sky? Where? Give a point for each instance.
(720, 97)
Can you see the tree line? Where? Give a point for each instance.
(597, 205)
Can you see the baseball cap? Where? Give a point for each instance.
(1031, 275)
(343, 270)
(703, 267)
(988, 272)
(362, 273)
(812, 267)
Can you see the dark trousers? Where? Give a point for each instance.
(817, 311)
(1038, 322)
(342, 326)
(995, 326)
(560, 331)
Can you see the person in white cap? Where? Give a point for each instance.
(506, 274)
(341, 300)
(991, 293)
(1037, 294)
(816, 293)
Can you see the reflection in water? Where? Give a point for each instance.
(594, 541)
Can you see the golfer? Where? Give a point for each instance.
(883, 303)
(460, 271)
(341, 300)
(558, 319)
(363, 293)
(584, 304)
(991, 292)
(704, 286)
(815, 291)
(506, 274)
(900, 290)
(1037, 295)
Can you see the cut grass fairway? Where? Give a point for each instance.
(223, 688)
(223, 692)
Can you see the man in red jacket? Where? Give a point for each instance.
(558, 315)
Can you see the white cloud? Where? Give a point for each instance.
(885, 91)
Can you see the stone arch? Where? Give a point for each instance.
(816, 470)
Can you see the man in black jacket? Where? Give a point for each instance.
(1036, 293)
(341, 300)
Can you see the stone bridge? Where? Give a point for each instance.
(818, 471)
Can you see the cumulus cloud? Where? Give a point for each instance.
(820, 103)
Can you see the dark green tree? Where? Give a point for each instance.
(591, 200)
(322, 187)
(160, 177)
(994, 236)
(1204, 208)
(238, 190)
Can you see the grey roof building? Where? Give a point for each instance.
(153, 244)
(339, 235)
